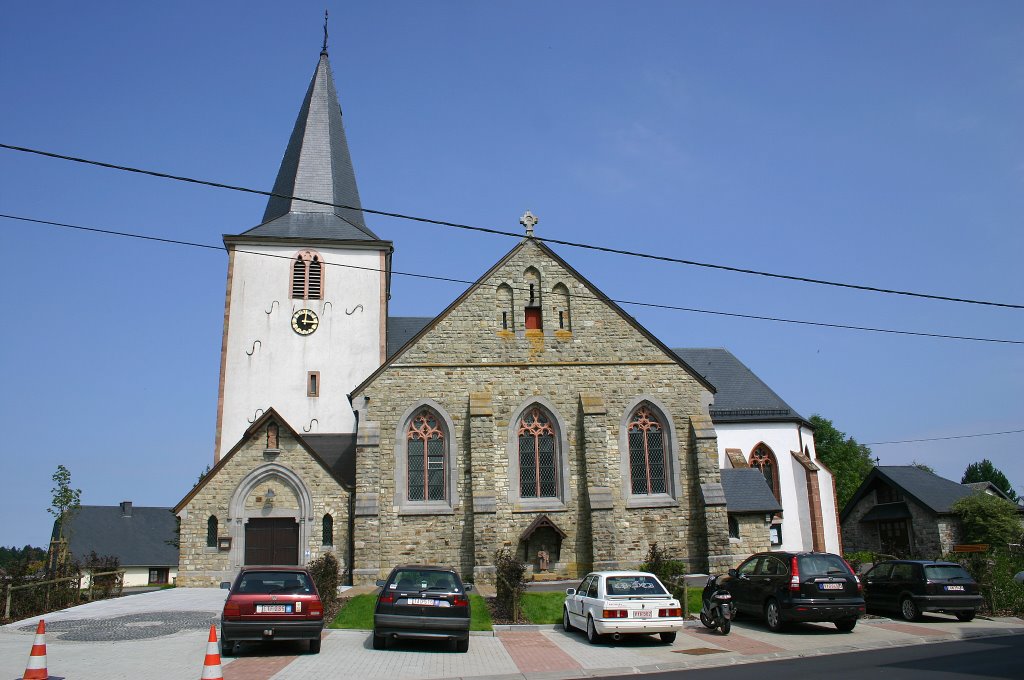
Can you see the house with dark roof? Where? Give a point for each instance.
(143, 539)
(758, 429)
(905, 511)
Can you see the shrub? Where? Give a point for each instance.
(668, 570)
(325, 570)
(988, 519)
(994, 573)
(510, 580)
(109, 584)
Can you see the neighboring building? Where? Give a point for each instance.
(756, 428)
(143, 539)
(752, 508)
(905, 511)
(532, 414)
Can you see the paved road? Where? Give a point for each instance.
(162, 635)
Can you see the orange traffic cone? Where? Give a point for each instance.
(211, 667)
(36, 668)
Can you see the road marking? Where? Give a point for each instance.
(534, 653)
(912, 630)
(732, 642)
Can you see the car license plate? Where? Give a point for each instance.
(830, 586)
(422, 602)
(643, 613)
(273, 609)
(959, 588)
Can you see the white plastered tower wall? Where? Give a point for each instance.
(265, 363)
(783, 438)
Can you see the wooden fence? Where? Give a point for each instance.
(40, 597)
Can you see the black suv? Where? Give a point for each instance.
(914, 586)
(422, 602)
(797, 586)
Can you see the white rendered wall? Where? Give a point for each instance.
(345, 348)
(782, 439)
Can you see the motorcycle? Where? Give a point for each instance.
(717, 611)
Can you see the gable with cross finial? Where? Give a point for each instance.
(528, 220)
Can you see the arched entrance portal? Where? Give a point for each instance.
(271, 512)
(541, 544)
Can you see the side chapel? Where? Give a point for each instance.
(533, 414)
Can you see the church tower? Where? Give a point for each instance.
(306, 306)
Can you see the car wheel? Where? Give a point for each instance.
(773, 616)
(708, 623)
(846, 625)
(965, 616)
(566, 625)
(380, 642)
(668, 638)
(592, 635)
(726, 626)
(909, 610)
(462, 646)
(314, 646)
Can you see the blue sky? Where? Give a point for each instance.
(875, 143)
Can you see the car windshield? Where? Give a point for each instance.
(416, 580)
(822, 564)
(633, 585)
(267, 582)
(945, 572)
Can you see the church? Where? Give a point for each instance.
(533, 414)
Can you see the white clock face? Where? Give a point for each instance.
(305, 321)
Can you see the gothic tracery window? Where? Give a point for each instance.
(648, 462)
(427, 453)
(764, 460)
(538, 455)
(307, 276)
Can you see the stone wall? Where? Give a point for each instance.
(753, 538)
(589, 371)
(236, 491)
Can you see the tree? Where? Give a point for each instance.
(65, 499)
(849, 461)
(985, 471)
(988, 519)
(923, 466)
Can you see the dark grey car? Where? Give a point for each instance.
(914, 586)
(424, 603)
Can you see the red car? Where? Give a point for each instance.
(271, 603)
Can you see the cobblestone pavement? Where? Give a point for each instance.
(163, 636)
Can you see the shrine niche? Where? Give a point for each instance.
(540, 545)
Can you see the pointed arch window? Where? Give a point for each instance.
(538, 455)
(307, 276)
(328, 530)
(648, 462)
(764, 460)
(506, 313)
(211, 532)
(561, 306)
(427, 450)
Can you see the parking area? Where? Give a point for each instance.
(163, 635)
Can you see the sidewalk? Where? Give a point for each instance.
(162, 635)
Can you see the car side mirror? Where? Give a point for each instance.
(732, 573)
(379, 583)
(570, 591)
(225, 585)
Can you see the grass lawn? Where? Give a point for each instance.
(540, 608)
(358, 613)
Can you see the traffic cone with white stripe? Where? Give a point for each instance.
(36, 668)
(211, 667)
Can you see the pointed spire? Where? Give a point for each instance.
(316, 165)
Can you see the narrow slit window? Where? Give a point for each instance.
(313, 384)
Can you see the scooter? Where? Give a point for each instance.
(717, 611)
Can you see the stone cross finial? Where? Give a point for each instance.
(529, 221)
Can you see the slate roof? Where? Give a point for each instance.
(929, 490)
(402, 329)
(316, 165)
(746, 490)
(741, 396)
(338, 454)
(137, 540)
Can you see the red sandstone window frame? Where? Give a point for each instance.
(762, 457)
(426, 426)
(646, 422)
(535, 426)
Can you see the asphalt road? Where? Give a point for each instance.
(1001, 657)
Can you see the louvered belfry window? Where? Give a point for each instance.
(307, 276)
(648, 464)
(427, 449)
(537, 456)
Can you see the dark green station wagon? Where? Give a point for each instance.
(422, 603)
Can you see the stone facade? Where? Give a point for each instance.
(589, 367)
(236, 491)
(753, 537)
(931, 535)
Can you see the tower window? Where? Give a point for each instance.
(313, 384)
(307, 276)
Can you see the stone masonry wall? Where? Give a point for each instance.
(201, 566)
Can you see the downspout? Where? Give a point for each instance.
(351, 560)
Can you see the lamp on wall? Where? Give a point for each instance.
(269, 496)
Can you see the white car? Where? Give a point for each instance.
(621, 603)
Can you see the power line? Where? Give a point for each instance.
(653, 305)
(499, 232)
(937, 439)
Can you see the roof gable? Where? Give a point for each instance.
(927, 489)
(145, 536)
